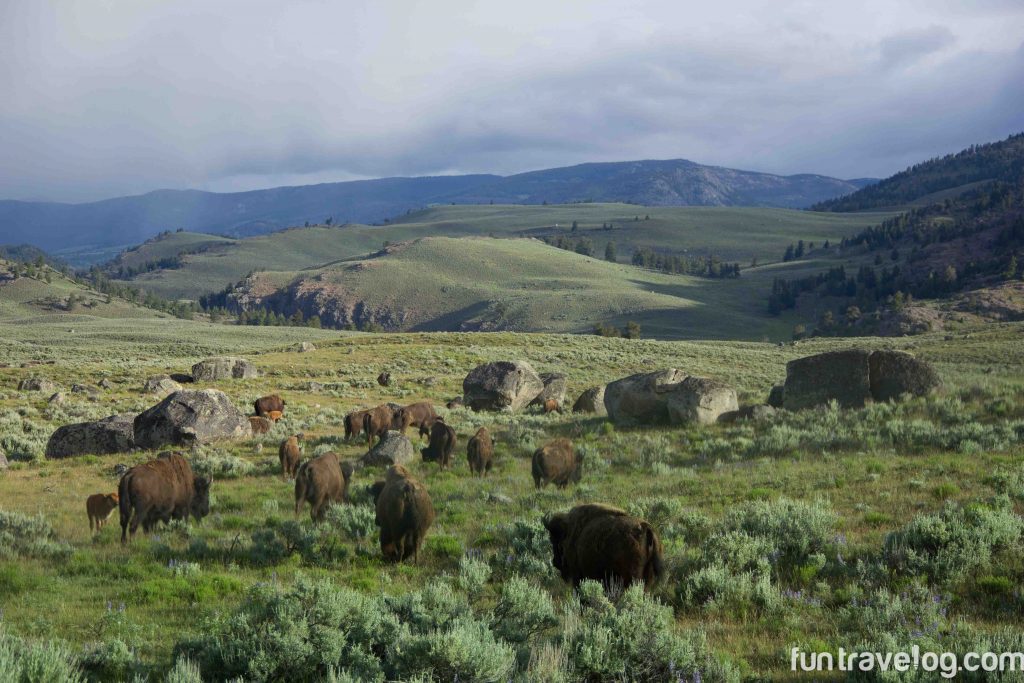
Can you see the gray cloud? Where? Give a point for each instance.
(109, 98)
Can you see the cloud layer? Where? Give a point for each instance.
(118, 97)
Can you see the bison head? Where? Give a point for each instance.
(558, 529)
(200, 505)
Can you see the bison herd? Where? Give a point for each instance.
(588, 542)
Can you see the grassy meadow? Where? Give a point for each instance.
(821, 529)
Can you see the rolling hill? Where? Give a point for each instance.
(209, 263)
(84, 233)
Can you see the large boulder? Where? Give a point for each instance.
(842, 376)
(700, 400)
(37, 384)
(643, 398)
(394, 448)
(555, 386)
(306, 347)
(114, 434)
(502, 385)
(591, 401)
(160, 384)
(894, 373)
(191, 417)
(223, 368)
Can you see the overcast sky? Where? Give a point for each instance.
(101, 99)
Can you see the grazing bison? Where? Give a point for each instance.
(321, 482)
(441, 446)
(556, 462)
(264, 406)
(420, 414)
(480, 452)
(161, 490)
(354, 423)
(99, 506)
(290, 454)
(377, 421)
(260, 424)
(384, 379)
(404, 513)
(606, 544)
(552, 406)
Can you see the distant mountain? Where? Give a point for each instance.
(938, 179)
(130, 220)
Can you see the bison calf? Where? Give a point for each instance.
(552, 406)
(290, 453)
(161, 490)
(99, 506)
(260, 424)
(556, 462)
(480, 452)
(268, 404)
(404, 514)
(605, 544)
(441, 446)
(321, 482)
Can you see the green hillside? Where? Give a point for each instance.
(735, 234)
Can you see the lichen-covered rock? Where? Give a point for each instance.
(394, 448)
(306, 347)
(555, 386)
(700, 400)
(591, 401)
(191, 417)
(501, 385)
(841, 376)
(160, 384)
(37, 384)
(643, 398)
(56, 399)
(223, 368)
(894, 373)
(114, 434)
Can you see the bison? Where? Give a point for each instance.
(556, 462)
(289, 453)
(552, 406)
(264, 406)
(161, 490)
(605, 544)
(321, 482)
(480, 452)
(99, 506)
(441, 446)
(404, 513)
(377, 422)
(259, 424)
(420, 414)
(384, 379)
(354, 423)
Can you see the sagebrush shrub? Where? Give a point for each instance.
(24, 536)
(523, 611)
(464, 650)
(795, 530)
(37, 662)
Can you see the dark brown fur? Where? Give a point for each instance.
(161, 490)
(290, 454)
(377, 422)
(384, 379)
(321, 482)
(480, 452)
(260, 424)
(264, 406)
(556, 462)
(354, 423)
(404, 514)
(99, 506)
(605, 544)
(420, 414)
(441, 446)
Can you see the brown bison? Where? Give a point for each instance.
(377, 422)
(290, 453)
(404, 513)
(260, 424)
(321, 482)
(384, 379)
(441, 446)
(480, 452)
(552, 406)
(354, 423)
(605, 544)
(556, 462)
(420, 414)
(264, 406)
(99, 506)
(161, 490)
